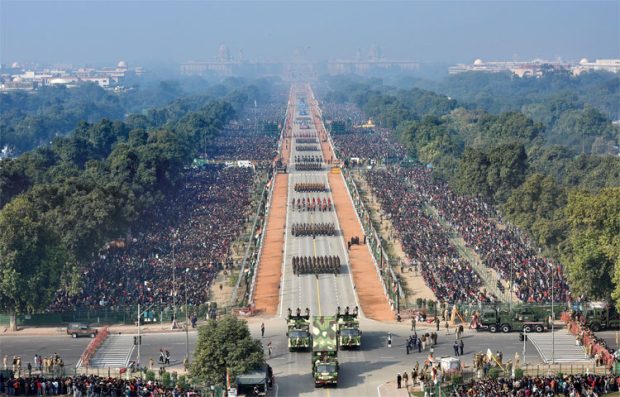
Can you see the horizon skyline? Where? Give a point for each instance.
(168, 33)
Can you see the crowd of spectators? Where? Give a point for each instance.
(191, 231)
(83, 386)
(500, 246)
(345, 112)
(253, 136)
(366, 144)
(369, 144)
(424, 240)
(568, 385)
(243, 142)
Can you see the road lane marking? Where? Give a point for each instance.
(318, 288)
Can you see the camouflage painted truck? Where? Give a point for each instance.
(298, 332)
(325, 350)
(520, 318)
(349, 334)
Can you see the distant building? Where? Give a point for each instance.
(537, 67)
(19, 77)
(370, 67)
(298, 67)
(607, 65)
(534, 68)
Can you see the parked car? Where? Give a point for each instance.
(76, 330)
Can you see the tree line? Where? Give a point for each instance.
(565, 197)
(61, 202)
(29, 120)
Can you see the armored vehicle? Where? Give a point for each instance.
(600, 316)
(298, 331)
(325, 350)
(349, 334)
(518, 319)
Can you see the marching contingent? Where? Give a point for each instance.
(329, 264)
(316, 204)
(310, 187)
(310, 166)
(313, 229)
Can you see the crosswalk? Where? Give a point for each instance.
(114, 353)
(558, 346)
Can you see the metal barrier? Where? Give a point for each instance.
(92, 347)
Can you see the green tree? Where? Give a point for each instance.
(225, 344)
(32, 259)
(593, 255)
(537, 205)
(472, 172)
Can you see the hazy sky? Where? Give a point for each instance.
(170, 32)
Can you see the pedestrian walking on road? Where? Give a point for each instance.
(447, 328)
(262, 330)
(389, 339)
(167, 357)
(5, 361)
(269, 348)
(151, 363)
(456, 348)
(413, 324)
(437, 323)
(399, 379)
(405, 379)
(461, 347)
(162, 356)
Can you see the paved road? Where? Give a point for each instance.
(68, 348)
(324, 294)
(362, 371)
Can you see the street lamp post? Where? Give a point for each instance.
(552, 320)
(510, 291)
(174, 279)
(139, 315)
(186, 319)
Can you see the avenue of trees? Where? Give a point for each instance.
(30, 120)
(60, 203)
(556, 175)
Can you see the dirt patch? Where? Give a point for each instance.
(267, 295)
(286, 147)
(367, 283)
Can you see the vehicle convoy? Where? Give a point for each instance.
(77, 330)
(600, 315)
(298, 331)
(522, 318)
(349, 334)
(325, 350)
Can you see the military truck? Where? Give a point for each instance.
(519, 319)
(349, 334)
(325, 350)
(298, 331)
(600, 316)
